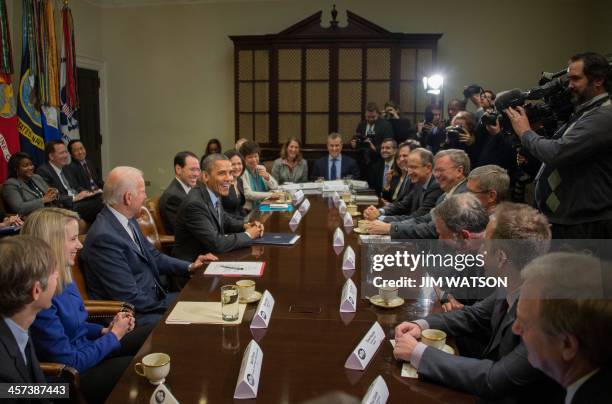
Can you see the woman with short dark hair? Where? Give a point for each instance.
(256, 180)
(290, 167)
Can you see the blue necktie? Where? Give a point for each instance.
(334, 172)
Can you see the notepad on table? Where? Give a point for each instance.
(237, 268)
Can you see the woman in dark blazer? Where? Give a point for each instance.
(24, 191)
(233, 203)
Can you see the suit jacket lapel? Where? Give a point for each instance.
(502, 321)
(119, 229)
(209, 205)
(7, 338)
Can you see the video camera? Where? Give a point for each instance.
(555, 107)
(361, 140)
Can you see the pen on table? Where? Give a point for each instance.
(230, 267)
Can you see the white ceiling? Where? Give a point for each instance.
(140, 3)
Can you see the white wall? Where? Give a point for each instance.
(170, 68)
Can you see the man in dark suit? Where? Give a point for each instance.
(85, 202)
(449, 172)
(424, 193)
(499, 370)
(563, 317)
(202, 225)
(28, 278)
(86, 174)
(380, 174)
(120, 263)
(334, 166)
(187, 172)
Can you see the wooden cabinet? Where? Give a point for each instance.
(310, 80)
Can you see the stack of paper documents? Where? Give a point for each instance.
(201, 313)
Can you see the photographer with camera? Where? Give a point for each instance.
(430, 132)
(574, 185)
(369, 135)
(402, 129)
(474, 93)
(461, 134)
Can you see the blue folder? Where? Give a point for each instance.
(277, 239)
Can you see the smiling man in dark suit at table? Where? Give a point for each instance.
(335, 165)
(28, 278)
(120, 263)
(187, 172)
(202, 225)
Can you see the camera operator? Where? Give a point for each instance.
(430, 132)
(474, 92)
(461, 134)
(369, 135)
(402, 129)
(494, 145)
(454, 107)
(574, 185)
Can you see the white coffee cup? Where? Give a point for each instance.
(155, 367)
(387, 294)
(246, 288)
(434, 338)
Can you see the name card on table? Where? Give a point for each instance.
(338, 242)
(336, 199)
(367, 347)
(378, 392)
(304, 206)
(348, 260)
(250, 369)
(295, 220)
(342, 208)
(261, 319)
(348, 302)
(161, 395)
(347, 219)
(298, 196)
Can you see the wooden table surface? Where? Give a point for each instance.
(307, 341)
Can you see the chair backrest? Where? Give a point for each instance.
(148, 228)
(78, 277)
(268, 164)
(153, 205)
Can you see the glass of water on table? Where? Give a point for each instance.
(229, 302)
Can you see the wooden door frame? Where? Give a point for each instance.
(99, 65)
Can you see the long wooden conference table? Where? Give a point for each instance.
(307, 341)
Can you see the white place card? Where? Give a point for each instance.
(295, 220)
(250, 369)
(336, 199)
(303, 209)
(161, 395)
(348, 302)
(338, 238)
(298, 196)
(348, 260)
(348, 220)
(342, 207)
(378, 392)
(361, 356)
(261, 319)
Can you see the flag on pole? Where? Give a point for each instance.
(28, 108)
(9, 137)
(68, 79)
